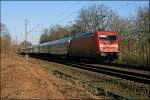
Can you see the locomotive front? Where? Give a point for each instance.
(107, 45)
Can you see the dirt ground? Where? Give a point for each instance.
(21, 79)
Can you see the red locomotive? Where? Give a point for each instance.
(102, 45)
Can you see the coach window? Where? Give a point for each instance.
(90, 34)
(78, 35)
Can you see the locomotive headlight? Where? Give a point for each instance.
(114, 45)
(103, 54)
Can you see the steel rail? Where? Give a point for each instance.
(133, 76)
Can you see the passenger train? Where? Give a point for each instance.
(99, 45)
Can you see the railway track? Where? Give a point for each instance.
(137, 67)
(130, 73)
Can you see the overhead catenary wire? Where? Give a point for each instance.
(64, 18)
(70, 15)
(63, 14)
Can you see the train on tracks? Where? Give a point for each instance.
(98, 45)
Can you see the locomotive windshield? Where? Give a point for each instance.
(107, 37)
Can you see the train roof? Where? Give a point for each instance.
(57, 41)
(84, 34)
(107, 32)
(51, 42)
(70, 37)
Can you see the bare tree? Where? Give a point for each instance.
(21, 45)
(142, 25)
(44, 37)
(96, 17)
(57, 32)
(5, 40)
(134, 36)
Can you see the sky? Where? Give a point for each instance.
(43, 14)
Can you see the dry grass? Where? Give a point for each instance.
(21, 79)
